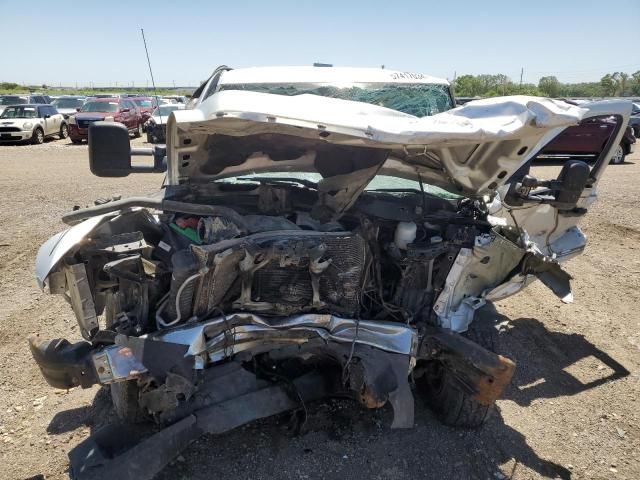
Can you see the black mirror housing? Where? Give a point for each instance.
(571, 181)
(110, 152)
(109, 149)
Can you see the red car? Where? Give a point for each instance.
(145, 105)
(588, 139)
(121, 110)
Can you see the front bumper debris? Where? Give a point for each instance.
(222, 337)
(376, 360)
(128, 453)
(64, 365)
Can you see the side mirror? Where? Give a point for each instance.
(77, 109)
(47, 115)
(571, 182)
(110, 152)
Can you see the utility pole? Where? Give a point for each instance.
(521, 73)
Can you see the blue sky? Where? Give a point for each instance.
(69, 42)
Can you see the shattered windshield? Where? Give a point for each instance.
(418, 99)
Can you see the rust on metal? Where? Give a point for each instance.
(493, 380)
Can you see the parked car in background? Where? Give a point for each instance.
(21, 99)
(31, 122)
(119, 110)
(156, 126)
(107, 95)
(145, 105)
(587, 139)
(68, 105)
(178, 98)
(634, 119)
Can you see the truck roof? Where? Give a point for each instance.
(346, 75)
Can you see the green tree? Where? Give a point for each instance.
(608, 84)
(635, 83)
(621, 80)
(550, 86)
(467, 86)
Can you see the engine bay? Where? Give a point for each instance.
(266, 253)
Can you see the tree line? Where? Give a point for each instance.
(617, 84)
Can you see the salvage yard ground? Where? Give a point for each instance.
(572, 411)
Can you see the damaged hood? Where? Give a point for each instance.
(470, 150)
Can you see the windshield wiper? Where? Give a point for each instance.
(281, 180)
(394, 190)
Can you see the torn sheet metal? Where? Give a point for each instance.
(222, 337)
(484, 373)
(54, 249)
(474, 272)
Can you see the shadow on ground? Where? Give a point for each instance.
(341, 440)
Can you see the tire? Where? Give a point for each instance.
(446, 397)
(64, 131)
(138, 132)
(618, 156)
(38, 136)
(445, 394)
(76, 141)
(124, 396)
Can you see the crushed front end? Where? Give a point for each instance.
(288, 259)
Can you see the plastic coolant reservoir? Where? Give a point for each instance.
(405, 234)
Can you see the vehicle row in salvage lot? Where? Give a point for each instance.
(32, 123)
(134, 111)
(335, 246)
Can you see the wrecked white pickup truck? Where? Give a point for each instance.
(320, 232)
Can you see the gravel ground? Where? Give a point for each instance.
(572, 410)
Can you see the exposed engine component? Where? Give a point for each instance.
(281, 272)
(214, 229)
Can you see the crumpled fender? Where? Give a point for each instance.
(58, 246)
